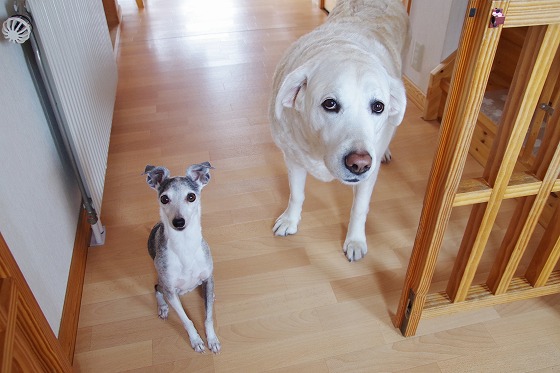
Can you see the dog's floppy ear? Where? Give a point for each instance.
(397, 106)
(200, 173)
(292, 90)
(156, 175)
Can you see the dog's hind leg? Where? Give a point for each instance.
(355, 245)
(163, 308)
(288, 222)
(196, 342)
(213, 342)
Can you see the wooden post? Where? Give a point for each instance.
(548, 251)
(547, 254)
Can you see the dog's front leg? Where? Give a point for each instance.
(163, 308)
(355, 245)
(213, 342)
(288, 222)
(196, 342)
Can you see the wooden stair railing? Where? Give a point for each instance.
(500, 180)
(439, 75)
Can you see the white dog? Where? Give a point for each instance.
(337, 100)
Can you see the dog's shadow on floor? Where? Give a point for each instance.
(387, 282)
(333, 202)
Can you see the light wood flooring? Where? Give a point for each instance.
(195, 79)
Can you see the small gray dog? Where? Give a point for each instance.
(180, 253)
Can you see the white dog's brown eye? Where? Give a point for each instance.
(191, 197)
(377, 107)
(331, 105)
(164, 199)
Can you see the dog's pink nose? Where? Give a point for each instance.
(358, 162)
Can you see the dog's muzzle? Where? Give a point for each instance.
(358, 162)
(178, 223)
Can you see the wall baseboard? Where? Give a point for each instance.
(72, 302)
(413, 93)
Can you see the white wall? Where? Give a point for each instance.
(454, 27)
(435, 24)
(39, 201)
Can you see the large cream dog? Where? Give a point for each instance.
(337, 100)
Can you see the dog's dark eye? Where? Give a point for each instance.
(331, 105)
(191, 197)
(164, 199)
(377, 107)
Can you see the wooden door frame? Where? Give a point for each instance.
(31, 321)
(407, 4)
(55, 354)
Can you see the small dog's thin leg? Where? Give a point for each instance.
(288, 222)
(213, 342)
(163, 308)
(196, 342)
(355, 245)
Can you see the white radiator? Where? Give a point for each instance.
(71, 41)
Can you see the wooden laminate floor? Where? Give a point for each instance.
(195, 79)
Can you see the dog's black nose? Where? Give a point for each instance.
(358, 162)
(179, 223)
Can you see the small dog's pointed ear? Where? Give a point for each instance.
(200, 173)
(292, 90)
(156, 175)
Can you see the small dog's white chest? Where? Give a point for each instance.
(186, 272)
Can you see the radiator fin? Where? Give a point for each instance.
(76, 45)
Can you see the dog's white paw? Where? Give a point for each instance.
(355, 250)
(214, 345)
(387, 156)
(197, 344)
(285, 226)
(163, 311)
